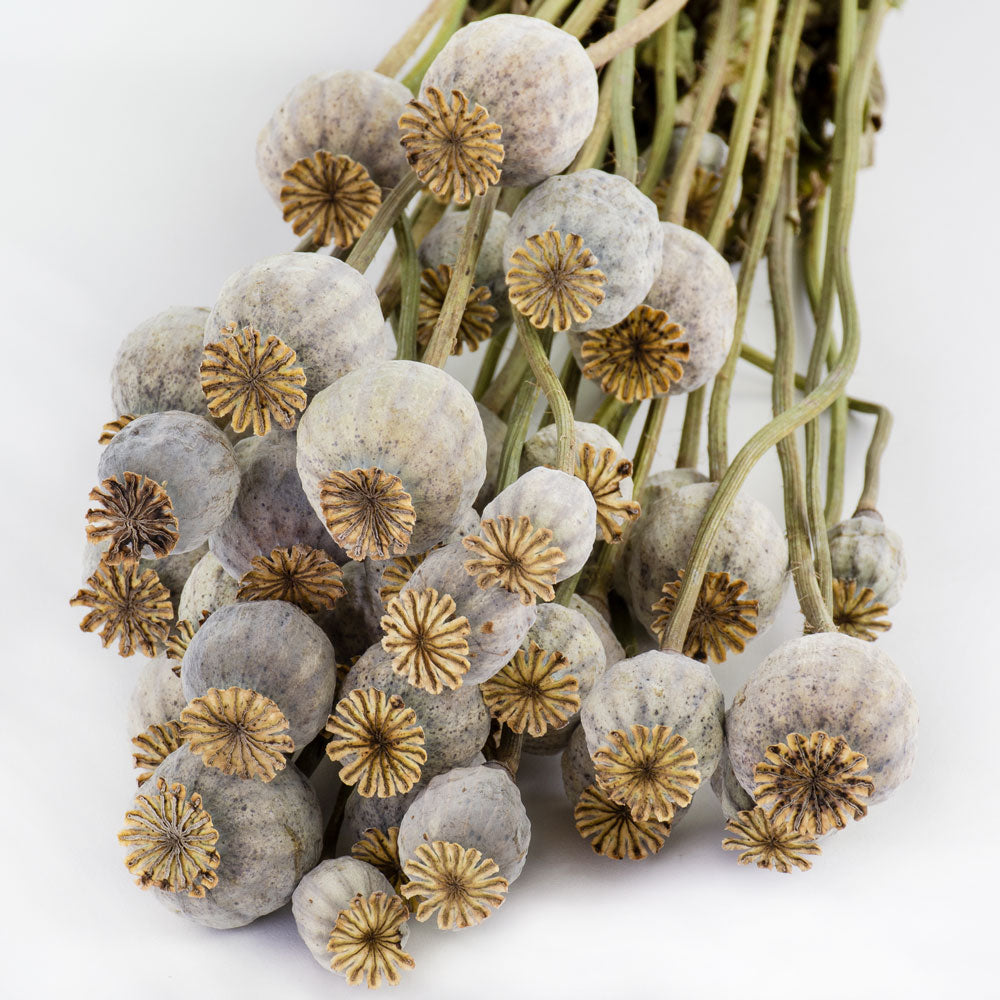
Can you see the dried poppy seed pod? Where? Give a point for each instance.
(576, 766)
(324, 112)
(713, 153)
(208, 588)
(157, 697)
(192, 461)
(316, 305)
(732, 796)
(659, 484)
(541, 448)
(270, 835)
(618, 225)
(353, 623)
(534, 80)
(613, 651)
(270, 647)
(832, 683)
(417, 428)
(496, 432)
(863, 549)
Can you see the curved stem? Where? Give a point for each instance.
(635, 31)
(873, 461)
(491, 358)
(499, 394)
(666, 106)
(593, 151)
(517, 431)
(409, 305)
(396, 58)
(609, 409)
(570, 379)
(363, 252)
(551, 10)
(583, 16)
(453, 13)
(622, 71)
(687, 453)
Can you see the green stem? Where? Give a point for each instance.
(453, 14)
(509, 751)
(499, 394)
(397, 57)
(873, 461)
(570, 379)
(622, 71)
(551, 10)
(566, 589)
(594, 150)
(609, 409)
(491, 358)
(666, 106)
(409, 306)
(640, 27)
(687, 453)
(620, 427)
(583, 16)
(517, 431)
(389, 211)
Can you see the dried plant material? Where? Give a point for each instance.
(477, 320)
(331, 195)
(241, 732)
(379, 739)
(613, 831)
(454, 151)
(554, 283)
(132, 606)
(652, 772)
(154, 746)
(427, 643)
(857, 612)
(112, 427)
(380, 849)
(365, 940)
(516, 556)
(603, 473)
(817, 780)
(367, 512)
(178, 643)
(768, 842)
(173, 842)
(457, 883)
(253, 380)
(300, 575)
(637, 358)
(702, 196)
(528, 696)
(720, 621)
(132, 514)
(397, 573)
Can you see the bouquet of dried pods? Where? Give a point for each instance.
(331, 550)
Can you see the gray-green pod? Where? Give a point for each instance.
(157, 697)
(713, 154)
(270, 835)
(354, 622)
(862, 548)
(496, 431)
(613, 651)
(208, 588)
(732, 796)
(576, 766)
(190, 457)
(832, 683)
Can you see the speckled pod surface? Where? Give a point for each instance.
(478, 807)
(498, 621)
(270, 647)
(659, 484)
(320, 307)
(328, 889)
(576, 766)
(354, 622)
(455, 723)
(617, 223)
(864, 549)
(270, 511)
(658, 689)
(442, 244)
(695, 287)
(536, 82)
(495, 430)
(270, 835)
(732, 796)
(834, 683)
(543, 446)
(750, 545)
(157, 697)
(207, 588)
(190, 457)
(557, 501)
(410, 420)
(613, 651)
(350, 113)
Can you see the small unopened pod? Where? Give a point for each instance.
(220, 850)
(352, 921)
(208, 588)
(713, 153)
(863, 549)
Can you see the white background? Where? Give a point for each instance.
(128, 133)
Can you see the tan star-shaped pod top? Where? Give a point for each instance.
(367, 512)
(300, 575)
(239, 731)
(554, 282)
(397, 573)
(172, 842)
(255, 380)
(768, 842)
(613, 831)
(330, 194)
(366, 938)
(458, 884)
(380, 849)
(818, 781)
(516, 556)
(154, 745)
(455, 151)
(112, 427)
(603, 473)
(528, 696)
(131, 606)
(650, 771)
(477, 320)
(178, 643)
(131, 514)
(720, 622)
(856, 612)
(378, 739)
(637, 358)
(426, 641)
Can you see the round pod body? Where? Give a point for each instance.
(667, 481)
(410, 420)
(713, 154)
(694, 286)
(190, 458)
(576, 766)
(270, 835)
(270, 647)
(496, 431)
(862, 548)
(613, 650)
(618, 224)
(477, 807)
(535, 81)
(348, 112)
(320, 307)
(831, 683)
(208, 588)
(732, 796)
(354, 622)
(157, 697)
(750, 546)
